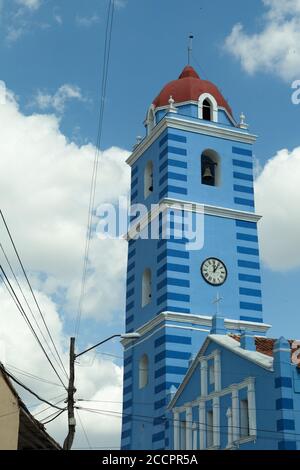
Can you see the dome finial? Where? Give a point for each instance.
(171, 108)
(243, 124)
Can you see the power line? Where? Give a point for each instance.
(84, 431)
(149, 420)
(56, 413)
(31, 376)
(24, 297)
(48, 407)
(107, 47)
(28, 389)
(14, 296)
(31, 290)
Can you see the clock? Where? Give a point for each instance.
(214, 271)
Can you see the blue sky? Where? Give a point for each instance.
(63, 44)
(51, 59)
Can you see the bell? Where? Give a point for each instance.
(207, 175)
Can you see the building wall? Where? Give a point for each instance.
(9, 417)
(271, 402)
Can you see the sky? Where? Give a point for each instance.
(51, 56)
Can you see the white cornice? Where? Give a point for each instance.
(188, 206)
(188, 125)
(200, 320)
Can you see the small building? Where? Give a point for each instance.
(240, 392)
(19, 430)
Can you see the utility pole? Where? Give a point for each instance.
(71, 390)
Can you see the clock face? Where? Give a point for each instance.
(214, 271)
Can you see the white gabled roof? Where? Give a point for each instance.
(232, 345)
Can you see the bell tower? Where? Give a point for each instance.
(195, 166)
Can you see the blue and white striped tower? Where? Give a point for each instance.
(197, 154)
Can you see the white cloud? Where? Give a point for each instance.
(100, 380)
(31, 4)
(276, 48)
(278, 200)
(44, 193)
(87, 21)
(57, 101)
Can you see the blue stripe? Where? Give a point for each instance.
(129, 319)
(130, 293)
(160, 403)
(251, 306)
(251, 319)
(170, 370)
(248, 264)
(243, 164)
(134, 195)
(285, 382)
(249, 278)
(285, 425)
(177, 163)
(127, 389)
(243, 224)
(134, 171)
(248, 238)
(127, 361)
(165, 386)
(178, 268)
(126, 434)
(172, 339)
(127, 404)
(172, 355)
(250, 292)
(287, 445)
(159, 420)
(173, 296)
(130, 279)
(243, 189)
(247, 251)
(177, 309)
(284, 404)
(173, 253)
(134, 183)
(159, 436)
(131, 254)
(128, 375)
(173, 176)
(244, 202)
(240, 151)
(172, 189)
(174, 137)
(243, 176)
(173, 282)
(126, 419)
(130, 306)
(130, 267)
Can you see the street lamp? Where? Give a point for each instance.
(71, 389)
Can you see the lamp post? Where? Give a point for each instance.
(71, 388)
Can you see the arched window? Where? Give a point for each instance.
(210, 168)
(148, 179)
(146, 287)
(143, 371)
(207, 110)
(207, 107)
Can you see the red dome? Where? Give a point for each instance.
(189, 87)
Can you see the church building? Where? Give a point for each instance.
(203, 373)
